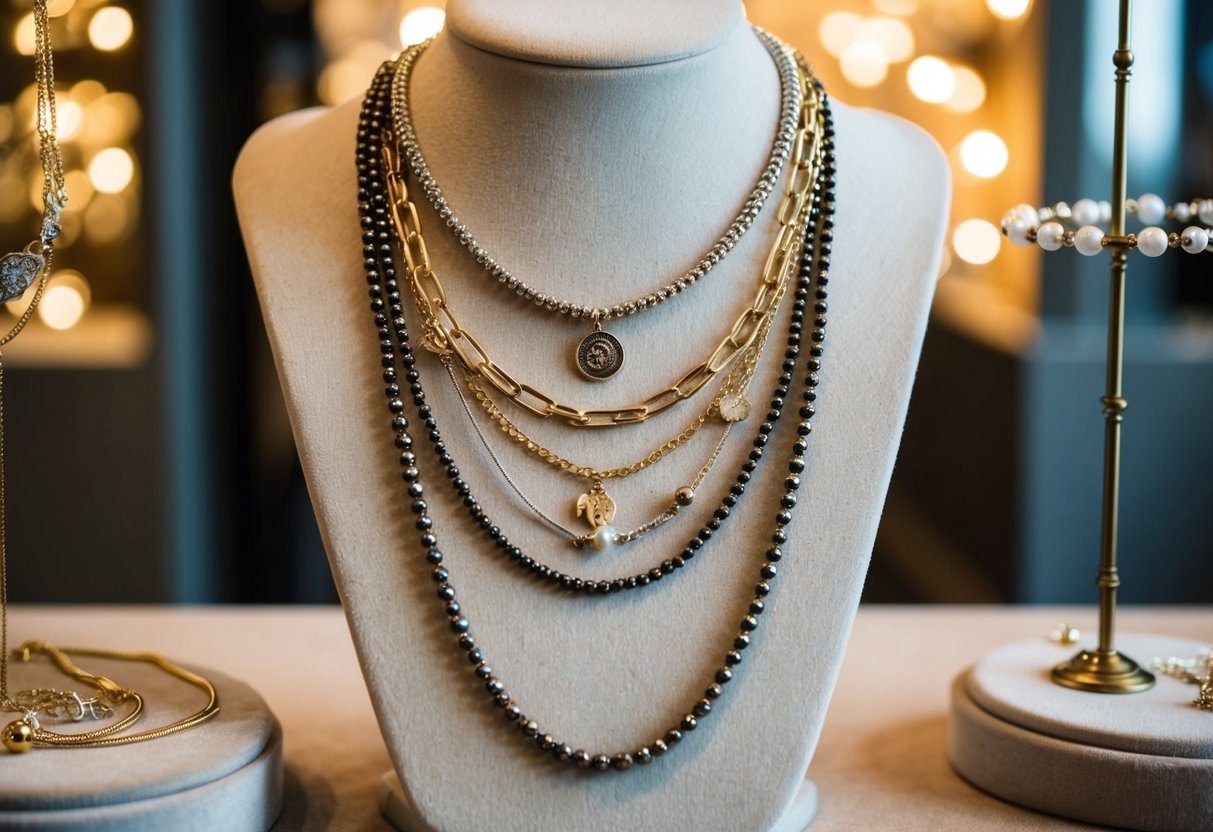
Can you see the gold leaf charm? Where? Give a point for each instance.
(599, 511)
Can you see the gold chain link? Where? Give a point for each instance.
(442, 333)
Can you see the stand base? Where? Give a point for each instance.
(224, 774)
(1143, 762)
(1101, 672)
(399, 812)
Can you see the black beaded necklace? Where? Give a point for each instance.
(384, 290)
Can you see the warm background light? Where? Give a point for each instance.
(111, 170)
(1008, 9)
(893, 36)
(976, 241)
(23, 35)
(421, 23)
(898, 7)
(969, 91)
(110, 28)
(69, 116)
(65, 300)
(983, 154)
(931, 79)
(838, 30)
(864, 63)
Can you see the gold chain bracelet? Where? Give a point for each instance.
(22, 734)
(442, 333)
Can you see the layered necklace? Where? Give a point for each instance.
(600, 355)
(383, 234)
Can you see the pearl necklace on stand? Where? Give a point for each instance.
(1047, 227)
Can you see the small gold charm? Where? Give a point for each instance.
(599, 356)
(18, 736)
(599, 511)
(734, 408)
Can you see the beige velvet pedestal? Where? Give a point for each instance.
(1134, 761)
(225, 774)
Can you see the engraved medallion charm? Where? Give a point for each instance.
(734, 408)
(18, 270)
(599, 355)
(599, 511)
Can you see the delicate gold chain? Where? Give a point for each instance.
(108, 736)
(735, 385)
(54, 197)
(442, 333)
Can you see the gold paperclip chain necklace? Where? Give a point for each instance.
(442, 333)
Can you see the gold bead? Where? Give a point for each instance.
(18, 736)
(684, 496)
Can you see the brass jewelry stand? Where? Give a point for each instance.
(1025, 736)
(1104, 670)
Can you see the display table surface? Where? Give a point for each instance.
(881, 763)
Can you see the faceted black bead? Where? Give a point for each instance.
(622, 761)
(768, 571)
(601, 762)
(749, 623)
(724, 676)
(673, 737)
(741, 642)
(702, 708)
(732, 658)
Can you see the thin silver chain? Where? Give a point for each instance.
(780, 150)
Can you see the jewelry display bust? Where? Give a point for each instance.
(596, 150)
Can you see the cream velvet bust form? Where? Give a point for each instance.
(597, 150)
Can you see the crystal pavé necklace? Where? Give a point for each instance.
(386, 306)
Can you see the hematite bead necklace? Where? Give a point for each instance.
(573, 583)
(389, 320)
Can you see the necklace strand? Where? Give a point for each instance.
(781, 149)
(18, 270)
(377, 242)
(381, 275)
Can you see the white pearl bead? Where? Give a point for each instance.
(1026, 213)
(1049, 235)
(1205, 211)
(1017, 232)
(1152, 241)
(1151, 209)
(1197, 238)
(1088, 240)
(1182, 212)
(1105, 211)
(1086, 212)
(604, 538)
